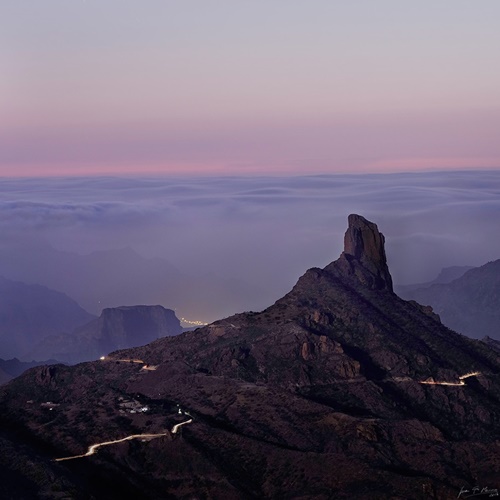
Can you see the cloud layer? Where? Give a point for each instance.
(262, 232)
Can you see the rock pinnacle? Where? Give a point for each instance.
(363, 242)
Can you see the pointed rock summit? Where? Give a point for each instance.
(363, 241)
(364, 251)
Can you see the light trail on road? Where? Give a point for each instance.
(471, 374)
(176, 427)
(146, 366)
(94, 447)
(461, 379)
(140, 361)
(431, 382)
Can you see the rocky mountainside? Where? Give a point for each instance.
(492, 343)
(116, 328)
(11, 368)
(4, 376)
(339, 390)
(469, 304)
(29, 313)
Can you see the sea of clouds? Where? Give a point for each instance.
(262, 232)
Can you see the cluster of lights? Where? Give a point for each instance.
(195, 323)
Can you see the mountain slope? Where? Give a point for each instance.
(352, 305)
(339, 390)
(447, 275)
(11, 368)
(28, 313)
(468, 304)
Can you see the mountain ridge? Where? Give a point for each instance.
(446, 275)
(339, 389)
(468, 304)
(29, 312)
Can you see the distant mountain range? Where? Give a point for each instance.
(37, 323)
(120, 277)
(340, 389)
(446, 275)
(469, 304)
(30, 312)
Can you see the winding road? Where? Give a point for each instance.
(176, 427)
(461, 379)
(94, 447)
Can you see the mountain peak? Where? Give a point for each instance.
(364, 245)
(363, 240)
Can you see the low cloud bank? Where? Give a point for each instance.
(258, 233)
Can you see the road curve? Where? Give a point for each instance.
(94, 447)
(176, 427)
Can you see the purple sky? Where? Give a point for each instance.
(238, 87)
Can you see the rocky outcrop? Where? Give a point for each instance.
(116, 328)
(364, 242)
(130, 326)
(12, 368)
(364, 255)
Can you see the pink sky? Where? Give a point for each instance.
(121, 87)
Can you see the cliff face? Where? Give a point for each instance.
(339, 389)
(364, 248)
(116, 328)
(121, 327)
(11, 368)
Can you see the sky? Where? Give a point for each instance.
(231, 139)
(233, 87)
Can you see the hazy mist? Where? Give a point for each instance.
(213, 246)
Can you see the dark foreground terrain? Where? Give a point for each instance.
(339, 390)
